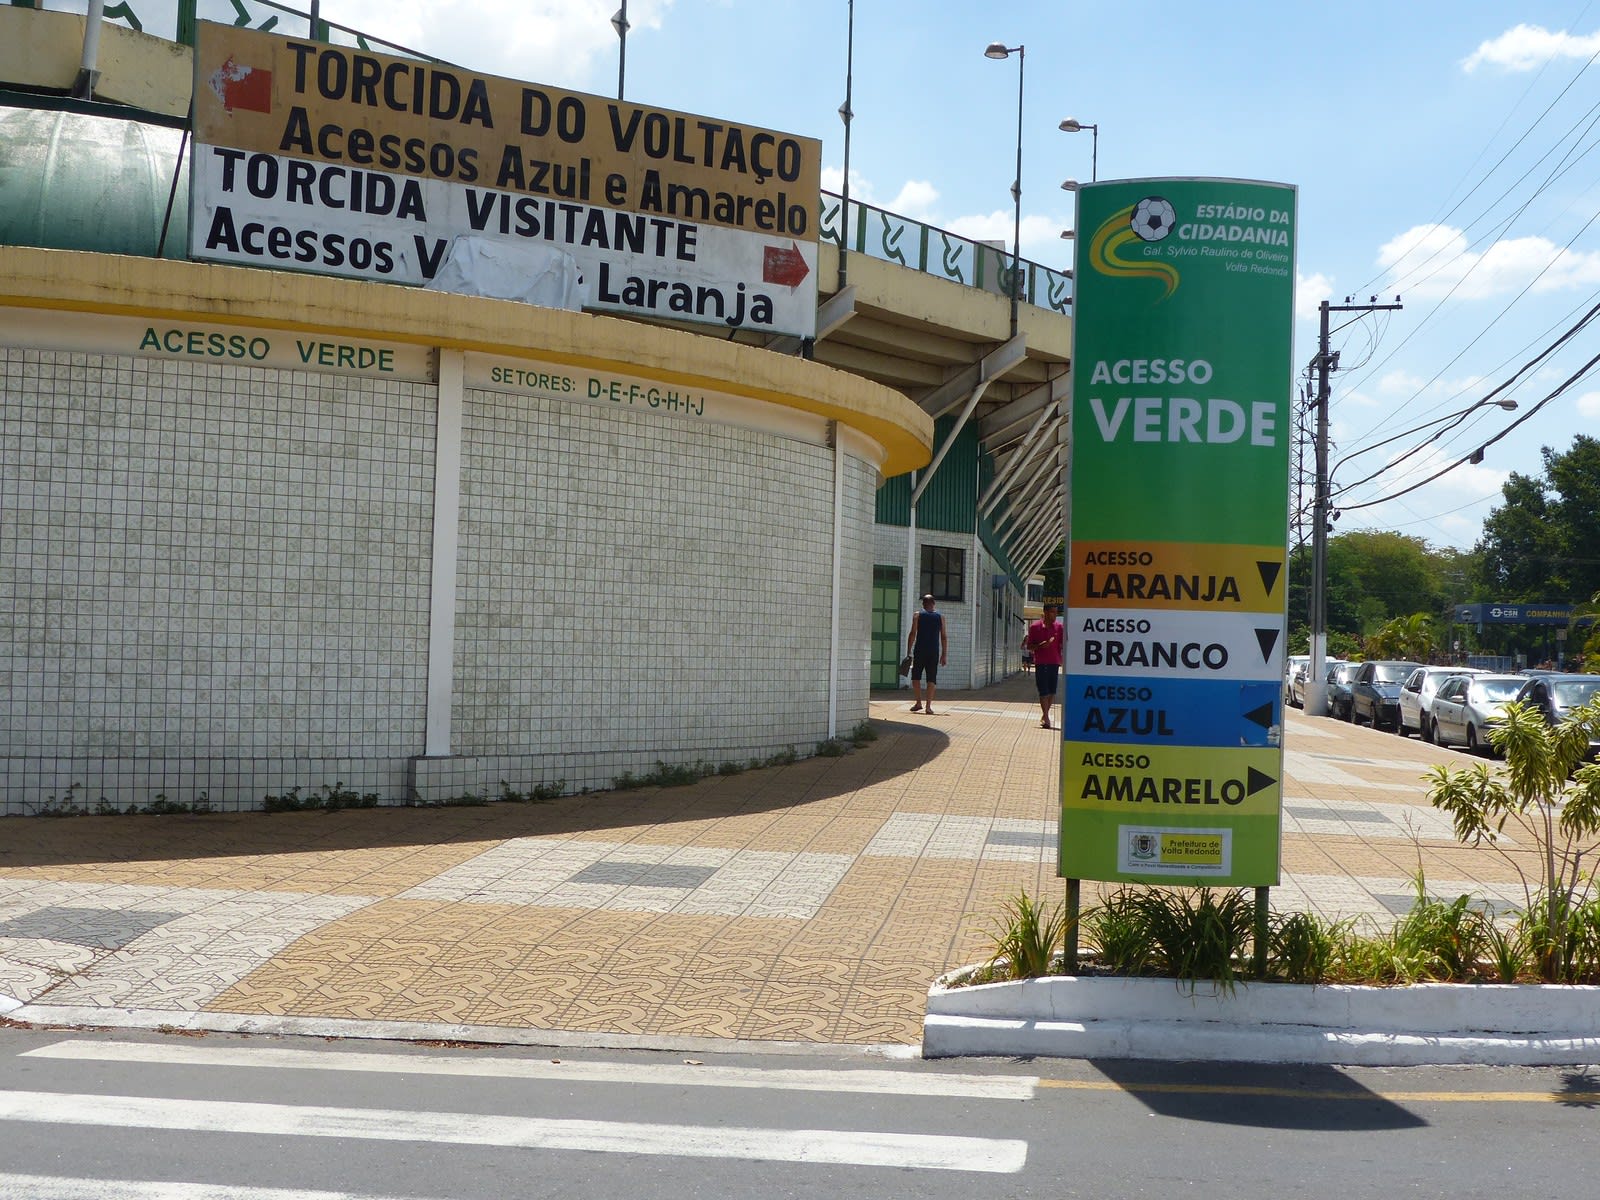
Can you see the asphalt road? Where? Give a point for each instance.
(115, 1116)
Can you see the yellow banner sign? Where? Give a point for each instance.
(267, 94)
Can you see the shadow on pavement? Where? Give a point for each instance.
(902, 746)
(1259, 1096)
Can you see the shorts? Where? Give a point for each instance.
(929, 663)
(1046, 675)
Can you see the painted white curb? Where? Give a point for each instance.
(1435, 1023)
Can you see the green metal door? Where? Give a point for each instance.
(886, 639)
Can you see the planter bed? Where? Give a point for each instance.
(1120, 1017)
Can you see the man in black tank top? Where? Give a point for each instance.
(928, 646)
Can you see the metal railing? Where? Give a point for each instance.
(884, 235)
(176, 20)
(872, 231)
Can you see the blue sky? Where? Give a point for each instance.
(1441, 150)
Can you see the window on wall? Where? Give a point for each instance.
(944, 572)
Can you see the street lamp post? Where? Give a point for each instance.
(1073, 125)
(619, 22)
(999, 50)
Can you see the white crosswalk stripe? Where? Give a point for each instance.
(61, 1187)
(280, 1111)
(840, 1147)
(865, 1080)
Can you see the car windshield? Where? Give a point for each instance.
(1384, 673)
(1496, 690)
(1579, 691)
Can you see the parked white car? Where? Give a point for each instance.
(1467, 705)
(1416, 698)
(1292, 664)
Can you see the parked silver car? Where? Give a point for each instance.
(1340, 677)
(1467, 705)
(1294, 663)
(1302, 674)
(1416, 698)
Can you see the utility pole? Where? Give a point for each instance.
(1324, 364)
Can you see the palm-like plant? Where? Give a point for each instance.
(1551, 802)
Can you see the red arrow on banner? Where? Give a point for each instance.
(786, 268)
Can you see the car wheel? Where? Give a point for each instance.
(1427, 731)
(1473, 745)
(1400, 724)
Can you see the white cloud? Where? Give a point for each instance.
(1309, 293)
(916, 198)
(1432, 261)
(1524, 47)
(1589, 405)
(1402, 384)
(561, 42)
(985, 227)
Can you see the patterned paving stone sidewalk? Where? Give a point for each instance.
(809, 903)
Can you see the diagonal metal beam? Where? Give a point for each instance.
(1046, 466)
(990, 367)
(1002, 424)
(1046, 533)
(1044, 537)
(949, 441)
(831, 313)
(1036, 441)
(1042, 518)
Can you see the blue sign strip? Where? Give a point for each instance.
(1173, 712)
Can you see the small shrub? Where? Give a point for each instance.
(863, 734)
(730, 768)
(1026, 938)
(324, 799)
(539, 793)
(832, 748)
(1303, 947)
(1116, 936)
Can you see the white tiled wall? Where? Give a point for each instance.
(215, 581)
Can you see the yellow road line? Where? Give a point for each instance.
(1203, 1089)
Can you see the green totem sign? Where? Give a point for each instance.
(1172, 756)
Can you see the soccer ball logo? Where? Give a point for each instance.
(1153, 218)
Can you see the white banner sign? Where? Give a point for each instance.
(270, 211)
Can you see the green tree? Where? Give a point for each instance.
(1415, 637)
(1543, 543)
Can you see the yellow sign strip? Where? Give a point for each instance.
(1203, 576)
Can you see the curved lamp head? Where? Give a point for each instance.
(1073, 125)
(997, 50)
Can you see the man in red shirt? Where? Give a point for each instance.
(1044, 640)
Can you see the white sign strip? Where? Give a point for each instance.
(1151, 643)
(61, 1187)
(837, 1147)
(282, 213)
(887, 1083)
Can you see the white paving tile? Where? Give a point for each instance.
(216, 936)
(538, 872)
